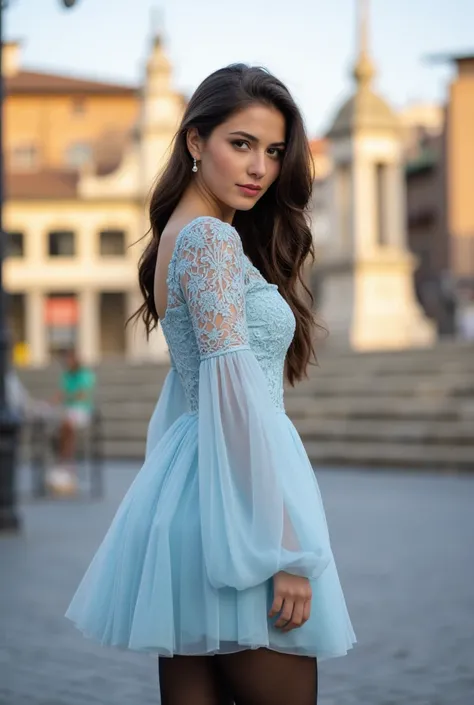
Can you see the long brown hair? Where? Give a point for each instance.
(275, 233)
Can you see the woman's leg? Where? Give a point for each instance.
(264, 677)
(191, 680)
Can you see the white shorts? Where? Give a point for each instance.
(77, 417)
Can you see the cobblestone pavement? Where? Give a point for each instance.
(403, 545)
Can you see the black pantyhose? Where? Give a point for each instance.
(253, 677)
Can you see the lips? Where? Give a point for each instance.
(249, 190)
(251, 187)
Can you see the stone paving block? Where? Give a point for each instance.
(404, 552)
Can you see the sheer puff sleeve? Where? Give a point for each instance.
(251, 526)
(171, 404)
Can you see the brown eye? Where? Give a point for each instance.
(240, 143)
(277, 153)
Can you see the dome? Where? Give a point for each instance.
(364, 110)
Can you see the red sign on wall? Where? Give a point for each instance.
(61, 311)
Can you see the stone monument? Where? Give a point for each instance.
(368, 299)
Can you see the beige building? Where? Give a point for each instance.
(365, 277)
(72, 265)
(440, 188)
(459, 166)
(60, 122)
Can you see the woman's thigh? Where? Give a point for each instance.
(191, 680)
(265, 677)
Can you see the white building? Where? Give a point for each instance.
(365, 277)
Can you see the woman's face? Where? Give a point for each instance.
(242, 157)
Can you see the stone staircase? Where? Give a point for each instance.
(412, 409)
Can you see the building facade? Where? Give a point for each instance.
(440, 188)
(61, 122)
(74, 226)
(81, 157)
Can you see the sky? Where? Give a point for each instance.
(309, 44)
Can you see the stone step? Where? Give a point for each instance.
(380, 408)
(330, 409)
(413, 432)
(425, 379)
(447, 356)
(450, 458)
(398, 391)
(427, 385)
(396, 409)
(422, 386)
(327, 453)
(442, 348)
(124, 449)
(450, 356)
(133, 409)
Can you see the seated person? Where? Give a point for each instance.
(76, 396)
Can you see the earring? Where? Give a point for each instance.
(195, 168)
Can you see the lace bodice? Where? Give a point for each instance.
(218, 302)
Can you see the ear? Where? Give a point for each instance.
(194, 142)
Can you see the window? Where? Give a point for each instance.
(344, 199)
(381, 203)
(78, 106)
(61, 244)
(61, 316)
(15, 245)
(78, 154)
(24, 157)
(112, 243)
(112, 317)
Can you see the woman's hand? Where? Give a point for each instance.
(292, 599)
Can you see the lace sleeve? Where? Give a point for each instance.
(250, 524)
(211, 276)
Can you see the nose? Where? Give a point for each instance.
(257, 167)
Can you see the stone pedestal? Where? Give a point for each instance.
(370, 304)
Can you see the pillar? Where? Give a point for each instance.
(88, 342)
(35, 328)
(138, 348)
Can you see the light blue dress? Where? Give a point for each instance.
(226, 496)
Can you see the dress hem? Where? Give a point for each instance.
(241, 646)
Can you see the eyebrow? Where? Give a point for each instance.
(252, 138)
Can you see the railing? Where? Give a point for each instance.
(41, 446)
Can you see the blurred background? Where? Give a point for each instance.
(92, 95)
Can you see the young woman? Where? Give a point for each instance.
(219, 555)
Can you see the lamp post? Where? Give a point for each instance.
(9, 422)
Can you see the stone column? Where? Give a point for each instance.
(135, 341)
(36, 244)
(138, 349)
(36, 328)
(86, 244)
(88, 343)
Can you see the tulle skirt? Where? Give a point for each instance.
(147, 589)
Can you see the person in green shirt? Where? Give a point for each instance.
(76, 395)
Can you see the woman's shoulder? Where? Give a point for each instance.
(208, 233)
